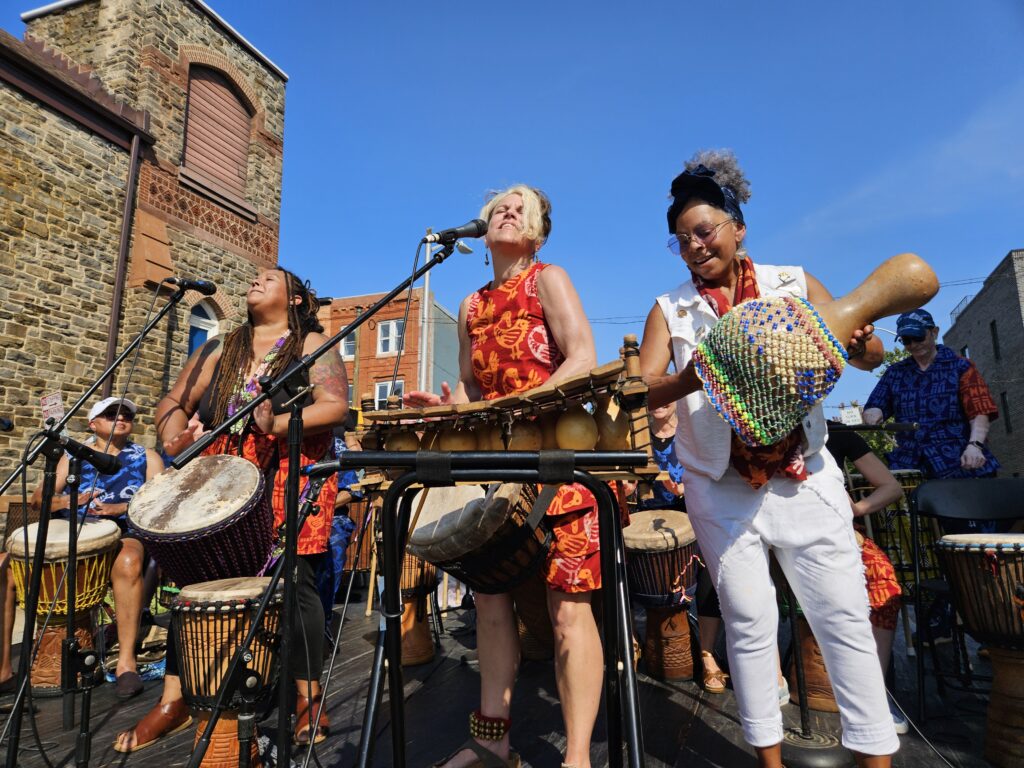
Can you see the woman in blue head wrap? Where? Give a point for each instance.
(744, 501)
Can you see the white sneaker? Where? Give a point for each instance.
(783, 693)
(898, 720)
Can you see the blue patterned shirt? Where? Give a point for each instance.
(119, 487)
(932, 399)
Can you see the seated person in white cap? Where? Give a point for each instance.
(106, 496)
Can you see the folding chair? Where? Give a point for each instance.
(957, 499)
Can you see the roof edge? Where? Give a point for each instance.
(217, 19)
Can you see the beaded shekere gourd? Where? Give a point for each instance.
(766, 364)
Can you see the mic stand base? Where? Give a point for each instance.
(804, 747)
(819, 750)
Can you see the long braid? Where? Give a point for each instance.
(235, 361)
(237, 357)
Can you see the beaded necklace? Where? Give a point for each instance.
(240, 397)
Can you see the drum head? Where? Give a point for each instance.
(94, 536)
(982, 540)
(458, 519)
(658, 530)
(225, 590)
(203, 493)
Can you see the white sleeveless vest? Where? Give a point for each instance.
(703, 437)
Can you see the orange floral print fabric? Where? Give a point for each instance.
(266, 452)
(513, 351)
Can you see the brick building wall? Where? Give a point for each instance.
(991, 327)
(63, 191)
(66, 186)
(366, 368)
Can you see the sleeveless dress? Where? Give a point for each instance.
(513, 350)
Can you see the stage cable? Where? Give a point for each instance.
(405, 322)
(920, 733)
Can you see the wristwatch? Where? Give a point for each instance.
(981, 445)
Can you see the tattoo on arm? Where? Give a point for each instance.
(328, 374)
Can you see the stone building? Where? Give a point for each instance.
(431, 345)
(989, 329)
(138, 139)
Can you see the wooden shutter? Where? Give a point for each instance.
(217, 131)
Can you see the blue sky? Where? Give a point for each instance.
(866, 129)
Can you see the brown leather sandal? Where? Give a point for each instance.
(305, 716)
(162, 720)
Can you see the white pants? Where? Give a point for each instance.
(808, 527)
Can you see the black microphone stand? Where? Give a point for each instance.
(238, 675)
(174, 300)
(427, 468)
(805, 747)
(74, 662)
(53, 451)
(78, 667)
(293, 382)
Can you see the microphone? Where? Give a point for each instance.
(322, 468)
(204, 287)
(105, 463)
(475, 228)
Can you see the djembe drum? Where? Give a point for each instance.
(419, 580)
(209, 520)
(492, 541)
(820, 695)
(360, 547)
(661, 564)
(98, 543)
(767, 362)
(986, 573)
(210, 621)
(533, 622)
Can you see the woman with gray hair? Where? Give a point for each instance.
(524, 328)
(743, 501)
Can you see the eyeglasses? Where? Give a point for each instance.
(113, 413)
(908, 340)
(680, 241)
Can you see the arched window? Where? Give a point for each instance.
(202, 325)
(217, 132)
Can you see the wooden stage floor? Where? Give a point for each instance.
(682, 725)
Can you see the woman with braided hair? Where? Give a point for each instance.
(216, 382)
(743, 501)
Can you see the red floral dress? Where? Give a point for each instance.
(513, 351)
